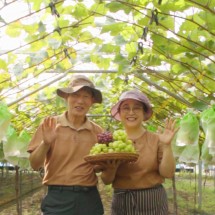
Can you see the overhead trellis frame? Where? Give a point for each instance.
(148, 26)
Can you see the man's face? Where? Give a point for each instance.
(80, 102)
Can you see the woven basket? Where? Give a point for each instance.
(124, 156)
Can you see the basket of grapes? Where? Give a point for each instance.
(112, 146)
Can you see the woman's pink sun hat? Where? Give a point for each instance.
(136, 95)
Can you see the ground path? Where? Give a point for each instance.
(31, 203)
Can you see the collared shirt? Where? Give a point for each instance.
(144, 173)
(64, 163)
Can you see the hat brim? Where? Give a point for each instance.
(115, 109)
(63, 92)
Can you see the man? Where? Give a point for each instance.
(60, 144)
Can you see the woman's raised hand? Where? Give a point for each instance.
(168, 132)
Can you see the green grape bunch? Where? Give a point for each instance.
(110, 143)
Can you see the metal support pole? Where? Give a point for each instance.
(200, 185)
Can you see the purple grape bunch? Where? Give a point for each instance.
(105, 137)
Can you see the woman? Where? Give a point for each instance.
(138, 186)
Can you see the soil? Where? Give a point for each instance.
(30, 205)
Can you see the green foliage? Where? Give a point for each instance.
(187, 193)
(5, 117)
(174, 66)
(3, 65)
(14, 30)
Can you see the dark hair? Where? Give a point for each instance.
(144, 108)
(87, 89)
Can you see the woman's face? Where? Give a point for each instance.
(131, 113)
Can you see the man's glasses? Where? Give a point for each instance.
(135, 109)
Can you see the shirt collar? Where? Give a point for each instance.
(63, 121)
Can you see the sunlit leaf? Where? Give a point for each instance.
(113, 28)
(80, 11)
(3, 65)
(14, 30)
(116, 6)
(5, 117)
